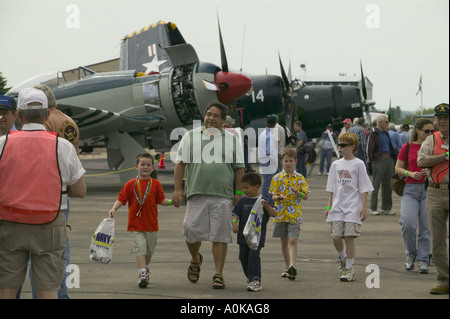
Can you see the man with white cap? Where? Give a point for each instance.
(38, 171)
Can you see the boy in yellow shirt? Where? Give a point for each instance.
(288, 188)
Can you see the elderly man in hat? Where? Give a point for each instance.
(347, 125)
(433, 155)
(38, 171)
(8, 114)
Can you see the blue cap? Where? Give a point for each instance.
(7, 103)
(441, 109)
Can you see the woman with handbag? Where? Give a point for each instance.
(413, 203)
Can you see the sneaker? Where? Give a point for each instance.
(144, 278)
(254, 285)
(439, 290)
(387, 212)
(431, 260)
(292, 272)
(374, 212)
(409, 264)
(285, 274)
(342, 268)
(348, 275)
(320, 173)
(326, 173)
(423, 267)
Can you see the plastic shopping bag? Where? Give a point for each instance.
(252, 229)
(101, 248)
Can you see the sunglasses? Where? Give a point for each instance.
(343, 144)
(428, 131)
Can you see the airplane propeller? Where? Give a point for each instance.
(229, 85)
(288, 102)
(366, 103)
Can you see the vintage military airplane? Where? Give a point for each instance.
(316, 106)
(160, 85)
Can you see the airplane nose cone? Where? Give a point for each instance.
(232, 86)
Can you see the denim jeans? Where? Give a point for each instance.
(267, 179)
(300, 167)
(328, 155)
(413, 216)
(250, 261)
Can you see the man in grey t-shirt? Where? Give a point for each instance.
(212, 160)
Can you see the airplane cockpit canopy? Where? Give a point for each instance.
(48, 78)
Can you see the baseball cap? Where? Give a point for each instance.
(441, 109)
(347, 121)
(31, 95)
(275, 116)
(271, 120)
(7, 103)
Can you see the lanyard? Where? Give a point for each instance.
(139, 198)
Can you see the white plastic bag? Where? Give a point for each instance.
(252, 229)
(101, 249)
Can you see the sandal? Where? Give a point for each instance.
(218, 282)
(192, 272)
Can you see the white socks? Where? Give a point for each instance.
(349, 262)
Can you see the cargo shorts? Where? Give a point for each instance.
(44, 244)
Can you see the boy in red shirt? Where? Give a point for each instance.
(143, 195)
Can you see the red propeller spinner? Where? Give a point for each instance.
(231, 86)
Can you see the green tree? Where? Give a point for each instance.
(3, 88)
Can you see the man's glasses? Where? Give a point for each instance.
(213, 115)
(428, 131)
(343, 144)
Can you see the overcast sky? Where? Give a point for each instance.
(397, 40)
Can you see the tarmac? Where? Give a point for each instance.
(379, 262)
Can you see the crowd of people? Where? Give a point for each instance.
(215, 210)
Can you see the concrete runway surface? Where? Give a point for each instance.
(379, 262)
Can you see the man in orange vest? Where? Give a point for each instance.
(433, 155)
(38, 170)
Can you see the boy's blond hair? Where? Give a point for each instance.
(349, 138)
(291, 152)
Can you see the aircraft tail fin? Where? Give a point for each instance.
(142, 49)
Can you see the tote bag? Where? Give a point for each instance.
(101, 249)
(252, 229)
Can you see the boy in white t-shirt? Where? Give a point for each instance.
(348, 185)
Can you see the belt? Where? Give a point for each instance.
(438, 186)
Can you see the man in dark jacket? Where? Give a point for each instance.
(380, 153)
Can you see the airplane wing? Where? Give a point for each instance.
(94, 122)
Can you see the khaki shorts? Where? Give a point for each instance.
(44, 244)
(344, 229)
(286, 230)
(144, 243)
(208, 218)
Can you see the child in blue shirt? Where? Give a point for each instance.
(250, 259)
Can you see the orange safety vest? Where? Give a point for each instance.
(30, 180)
(438, 171)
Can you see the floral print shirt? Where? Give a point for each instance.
(289, 210)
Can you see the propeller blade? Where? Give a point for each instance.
(283, 75)
(288, 102)
(366, 103)
(363, 81)
(210, 86)
(223, 56)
